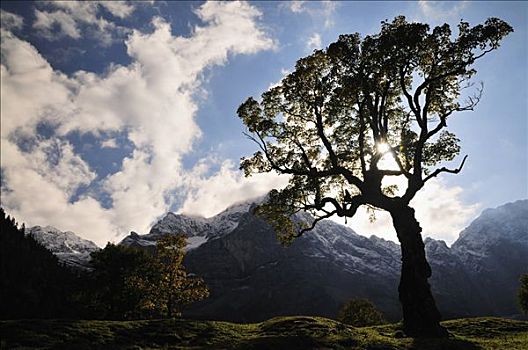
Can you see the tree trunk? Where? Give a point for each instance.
(169, 306)
(421, 317)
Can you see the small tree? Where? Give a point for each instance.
(331, 122)
(176, 288)
(121, 283)
(523, 293)
(130, 283)
(360, 313)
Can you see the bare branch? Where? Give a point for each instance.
(361, 138)
(446, 170)
(337, 169)
(316, 220)
(409, 97)
(400, 165)
(354, 202)
(390, 172)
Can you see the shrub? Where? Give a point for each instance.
(360, 313)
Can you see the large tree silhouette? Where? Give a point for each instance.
(344, 109)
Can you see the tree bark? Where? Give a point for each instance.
(421, 317)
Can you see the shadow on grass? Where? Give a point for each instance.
(280, 342)
(443, 344)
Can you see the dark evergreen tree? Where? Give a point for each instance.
(33, 284)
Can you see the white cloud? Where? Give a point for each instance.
(284, 72)
(297, 6)
(316, 9)
(442, 10)
(45, 21)
(314, 42)
(10, 21)
(70, 18)
(31, 91)
(210, 195)
(152, 98)
(110, 143)
(119, 9)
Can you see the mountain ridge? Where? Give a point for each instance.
(252, 276)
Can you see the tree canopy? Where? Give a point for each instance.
(390, 95)
(130, 283)
(360, 313)
(337, 122)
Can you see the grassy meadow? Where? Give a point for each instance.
(298, 332)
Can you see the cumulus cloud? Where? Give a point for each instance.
(153, 102)
(442, 10)
(152, 99)
(110, 143)
(316, 9)
(69, 18)
(211, 193)
(10, 21)
(314, 42)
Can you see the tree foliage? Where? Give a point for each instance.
(129, 283)
(116, 292)
(124, 283)
(523, 293)
(360, 313)
(176, 288)
(331, 122)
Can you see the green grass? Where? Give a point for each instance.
(298, 332)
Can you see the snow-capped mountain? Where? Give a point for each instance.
(197, 229)
(71, 249)
(494, 251)
(252, 277)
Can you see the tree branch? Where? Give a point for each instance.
(409, 97)
(316, 220)
(446, 170)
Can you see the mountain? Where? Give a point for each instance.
(71, 249)
(494, 252)
(252, 277)
(198, 229)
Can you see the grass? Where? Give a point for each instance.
(298, 332)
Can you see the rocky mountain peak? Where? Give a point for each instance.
(73, 250)
(508, 222)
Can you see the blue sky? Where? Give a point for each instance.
(114, 113)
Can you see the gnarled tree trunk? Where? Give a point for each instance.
(421, 317)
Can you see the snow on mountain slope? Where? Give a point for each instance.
(71, 249)
(247, 269)
(509, 221)
(357, 253)
(198, 229)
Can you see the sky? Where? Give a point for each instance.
(113, 113)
